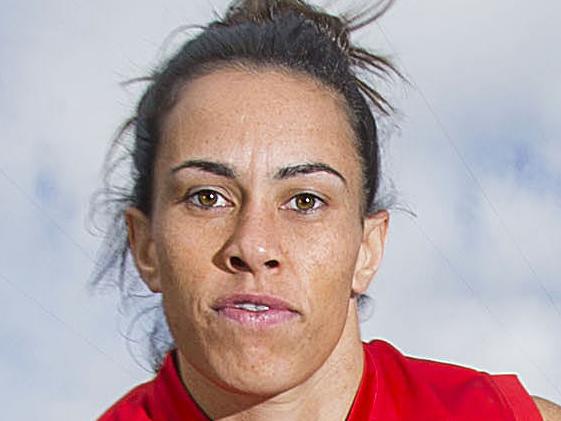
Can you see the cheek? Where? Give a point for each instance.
(185, 245)
(324, 258)
(188, 277)
(185, 253)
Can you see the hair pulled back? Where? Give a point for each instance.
(289, 35)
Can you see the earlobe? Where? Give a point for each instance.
(371, 250)
(142, 247)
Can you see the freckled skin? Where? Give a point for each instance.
(257, 122)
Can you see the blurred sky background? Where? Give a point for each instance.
(473, 279)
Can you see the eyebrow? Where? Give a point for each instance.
(216, 168)
(307, 168)
(224, 170)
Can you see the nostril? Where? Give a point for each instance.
(271, 264)
(238, 263)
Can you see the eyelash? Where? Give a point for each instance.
(193, 198)
(317, 201)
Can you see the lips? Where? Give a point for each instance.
(254, 310)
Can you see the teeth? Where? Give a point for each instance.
(252, 307)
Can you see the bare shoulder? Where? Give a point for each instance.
(549, 410)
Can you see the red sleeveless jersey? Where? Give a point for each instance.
(393, 387)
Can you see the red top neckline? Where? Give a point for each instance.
(393, 387)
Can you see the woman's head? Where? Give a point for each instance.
(255, 174)
(286, 34)
(256, 203)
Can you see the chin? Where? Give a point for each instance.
(264, 385)
(257, 371)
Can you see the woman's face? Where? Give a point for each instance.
(256, 239)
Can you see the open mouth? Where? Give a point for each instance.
(255, 310)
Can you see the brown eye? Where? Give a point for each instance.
(207, 199)
(305, 202)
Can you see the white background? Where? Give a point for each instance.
(474, 279)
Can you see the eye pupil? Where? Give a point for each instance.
(305, 202)
(207, 198)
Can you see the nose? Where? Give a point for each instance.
(253, 246)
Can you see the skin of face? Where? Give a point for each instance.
(261, 229)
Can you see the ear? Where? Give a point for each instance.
(371, 250)
(143, 248)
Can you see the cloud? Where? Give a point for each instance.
(464, 282)
(488, 201)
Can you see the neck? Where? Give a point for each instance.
(327, 395)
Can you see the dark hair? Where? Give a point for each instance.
(289, 35)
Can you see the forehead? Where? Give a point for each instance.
(269, 115)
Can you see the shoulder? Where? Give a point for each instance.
(388, 358)
(160, 399)
(548, 410)
(450, 390)
(132, 406)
